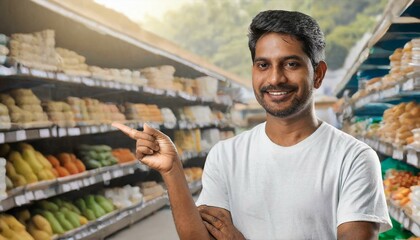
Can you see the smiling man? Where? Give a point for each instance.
(291, 177)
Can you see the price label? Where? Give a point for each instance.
(1, 137)
(130, 170)
(171, 93)
(74, 185)
(117, 85)
(398, 154)
(86, 182)
(103, 128)
(409, 85)
(88, 81)
(412, 158)
(29, 196)
(20, 135)
(44, 133)
(106, 176)
(66, 187)
(76, 79)
(134, 88)
(73, 131)
(118, 173)
(39, 73)
(20, 200)
(24, 70)
(94, 129)
(51, 75)
(39, 194)
(92, 180)
(62, 132)
(63, 77)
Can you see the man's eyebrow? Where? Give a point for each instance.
(285, 58)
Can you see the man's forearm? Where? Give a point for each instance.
(188, 222)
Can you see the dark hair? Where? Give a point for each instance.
(297, 24)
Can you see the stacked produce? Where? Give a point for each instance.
(397, 186)
(160, 77)
(186, 85)
(4, 50)
(24, 107)
(59, 113)
(5, 122)
(78, 106)
(111, 113)
(415, 54)
(62, 215)
(26, 165)
(94, 206)
(117, 75)
(66, 164)
(188, 140)
(416, 138)
(207, 87)
(143, 112)
(35, 50)
(151, 190)
(197, 114)
(123, 155)
(96, 156)
(37, 226)
(72, 63)
(123, 197)
(94, 109)
(168, 117)
(398, 122)
(12, 229)
(193, 174)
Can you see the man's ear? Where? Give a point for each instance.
(319, 74)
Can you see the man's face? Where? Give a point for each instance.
(282, 75)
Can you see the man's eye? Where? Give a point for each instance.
(262, 65)
(292, 64)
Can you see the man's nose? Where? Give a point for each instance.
(276, 76)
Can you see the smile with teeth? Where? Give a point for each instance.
(277, 93)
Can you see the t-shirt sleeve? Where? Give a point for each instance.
(214, 192)
(362, 195)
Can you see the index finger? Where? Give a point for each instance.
(131, 132)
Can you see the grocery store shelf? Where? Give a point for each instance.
(402, 217)
(405, 153)
(46, 189)
(186, 155)
(115, 221)
(17, 135)
(19, 72)
(397, 26)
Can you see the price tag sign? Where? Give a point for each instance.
(20, 200)
(44, 133)
(398, 154)
(92, 180)
(29, 196)
(51, 75)
(86, 182)
(171, 93)
(66, 187)
(88, 81)
(130, 170)
(412, 158)
(117, 85)
(20, 135)
(106, 176)
(63, 77)
(77, 79)
(39, 194)
(24, 70)
(94, 129)
(1, 137)
(73, 131)
(118, 173)
(74, 185)
(39, 73)
(62, 132)
(409, 85)
(103, 128)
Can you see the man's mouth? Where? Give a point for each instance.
(277, 93)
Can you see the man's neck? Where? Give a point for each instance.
(290, 131)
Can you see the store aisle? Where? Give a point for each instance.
(158, 226)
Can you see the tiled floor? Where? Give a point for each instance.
(158, 226)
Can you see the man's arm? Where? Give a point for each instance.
(358, 230)
(157, 151)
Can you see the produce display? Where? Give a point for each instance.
(3, 177)
(96, 156)
(160, 77)
(35, 50)
(187, 140)
(143, 112)
(66, 164)
(60, 113)
(12, 229)
(5, 122)
(123, 155)
(123, 197)
(151, 190)
(72, 63)
(193, 174)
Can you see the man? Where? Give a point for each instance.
(292, 177)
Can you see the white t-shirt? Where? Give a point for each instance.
(303, 191)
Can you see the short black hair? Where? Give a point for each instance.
(297, 24)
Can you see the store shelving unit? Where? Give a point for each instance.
(399, 24)
(110, 43)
